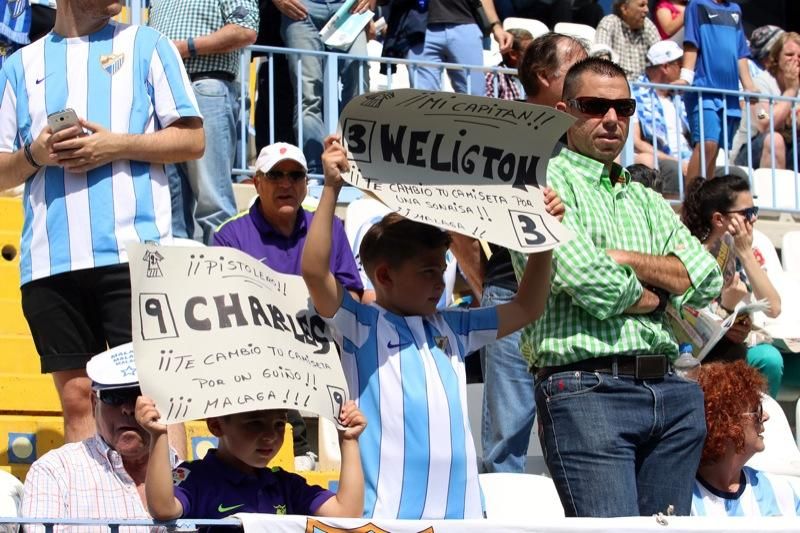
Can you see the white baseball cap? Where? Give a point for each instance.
(113, 369)
(275, 153)
(663, 52)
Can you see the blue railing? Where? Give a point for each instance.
(772, 190)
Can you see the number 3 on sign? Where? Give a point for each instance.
(358, 136)
(529, 228)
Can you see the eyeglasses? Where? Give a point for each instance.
(293, 175)
(748, 212)
(598, 107)
(757, 415)
(117, 397)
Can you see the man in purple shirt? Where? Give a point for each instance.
(274, 231)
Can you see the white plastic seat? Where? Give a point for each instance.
(783, 195)
(536, 27)
(10, 498)
(520, 497)
(790, 249)
(579, 31)
(780, 455)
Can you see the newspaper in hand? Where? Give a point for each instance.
(703, 329)
(343, 27)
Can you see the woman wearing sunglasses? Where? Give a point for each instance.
(720, 212)
(735, 419)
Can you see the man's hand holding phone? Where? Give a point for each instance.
(79, 145)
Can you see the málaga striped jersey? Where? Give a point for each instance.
(127, 79)
(759, 494)
(407, 375)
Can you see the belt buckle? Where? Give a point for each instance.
(650, 366)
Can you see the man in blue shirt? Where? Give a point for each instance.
(715, 57)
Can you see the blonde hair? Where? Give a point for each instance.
(775, 52)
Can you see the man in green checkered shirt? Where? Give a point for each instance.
(621, 433)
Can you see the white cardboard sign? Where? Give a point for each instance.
(216, 332)
(465, 163)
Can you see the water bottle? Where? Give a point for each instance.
(686, 366)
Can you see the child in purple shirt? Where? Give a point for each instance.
(233, 478)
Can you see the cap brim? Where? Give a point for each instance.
(100, 386)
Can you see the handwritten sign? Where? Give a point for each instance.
(216, 332)
(466, 163)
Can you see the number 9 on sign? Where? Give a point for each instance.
(530, 229)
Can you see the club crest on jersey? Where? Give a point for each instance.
(735, 17)
(112, 63)
(179, 475)
(17, 7)
(443, 343)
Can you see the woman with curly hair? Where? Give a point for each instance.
(721, 214)
(735, 426)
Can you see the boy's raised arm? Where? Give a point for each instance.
(349, 499)
(534, 287)
(326, 292)
(161, 501)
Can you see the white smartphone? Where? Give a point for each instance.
(61, 120)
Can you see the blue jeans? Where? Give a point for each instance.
(304, 34)
(616, 446)
(202, 190)
(508, 402)
(449, 43)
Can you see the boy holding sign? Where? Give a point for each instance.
(233, 478)
(405, 361)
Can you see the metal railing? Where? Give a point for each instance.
(183, 524)
(331, 99)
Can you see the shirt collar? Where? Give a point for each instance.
(262, 477)
(594, 171)
(265, 228)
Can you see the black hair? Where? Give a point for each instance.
(704, 197)
(649, 177)
(595, 65)
(542, 56)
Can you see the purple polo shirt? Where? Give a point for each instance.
(251, 233)
(210, 489)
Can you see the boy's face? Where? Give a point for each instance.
(416, 285)
(249, 440)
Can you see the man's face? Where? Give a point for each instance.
(634, 12)
(115, 421)
(282, 189)
(672, 70)
(599, 136)
(97, 9)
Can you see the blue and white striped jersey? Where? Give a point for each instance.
(407, 375)
(759, 494)
(127, 79)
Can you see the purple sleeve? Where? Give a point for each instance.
(223, 237)
(343, 264)
(305, 499)
(691, 33)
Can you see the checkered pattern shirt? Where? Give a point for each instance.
(630, 45)
(181, 19)
(650, 110)
(83, 480)
(585, 313)
(508, 87)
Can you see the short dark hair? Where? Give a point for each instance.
(520, 35)
(542, 56)
(649, 177)
(595, 65)
(396, 239)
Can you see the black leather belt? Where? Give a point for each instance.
(638, 366)
(213, 75)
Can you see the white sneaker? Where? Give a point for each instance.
(306, 462)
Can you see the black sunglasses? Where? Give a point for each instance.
(117, 397)
(293, 175)
(598, 107)
(748, 212)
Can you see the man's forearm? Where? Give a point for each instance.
(15, 169)
(666, 272)
(228, 38)
(646, 304)
(183, 140)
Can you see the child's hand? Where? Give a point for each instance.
(552, 203)
(334, 161)
(147, 416)
(353, 420)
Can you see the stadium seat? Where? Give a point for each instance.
(10, 498)
(579, 31)
(536, 27)
(782, 194)
(780, 455)
(790, 249)
(520, 497)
